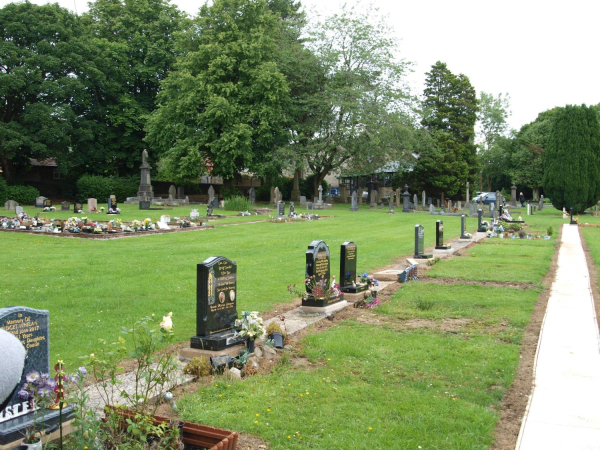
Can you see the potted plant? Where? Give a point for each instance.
(251, 327)
(275, 334)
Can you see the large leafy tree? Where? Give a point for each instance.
(138, 41)
(225, 103)
(492, 118)
(449, 114)
(46, 71)
(572, 167)
(354, 110)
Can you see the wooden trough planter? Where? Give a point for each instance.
(194, 435)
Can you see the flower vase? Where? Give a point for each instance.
(250, 345)
(277, 339)
(35, 446)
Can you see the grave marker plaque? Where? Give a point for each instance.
(318, 268)
(280, 208)
(112, 204)
(420, 243)
(439, 236)
(463, 227)
(348, 269)
(65, 206)
(39, 202)
(216, 311)
(47, 203)
(480, 228)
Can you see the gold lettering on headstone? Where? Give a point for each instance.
(25, 329)
(210, 284)
(321, 264)
(351, 252)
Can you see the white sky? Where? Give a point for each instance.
(543, 53)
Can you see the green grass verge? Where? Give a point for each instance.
(592, 239)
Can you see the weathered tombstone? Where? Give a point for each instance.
(39, 202)
(310, 206)
(450, 205)
(92, 205)
(405, 200)
(292, 209)
(252, 196)
(214, 203)
(77, 208)
(18, 210)
(348, 269)
(344, 194)
(468, 194)
(303, 200)
(513, 196)
(329, 198)
(144, 204)
(173, 191)
(145, 191)
(359, 196)
(318, 269)
(181, 192)
(541, 203)
(272, 196)
(211, 193)
(209, 210)
(31, 327)
(216, 292)
(420, 243)
(277, 195)
(459, 206)
(392, 202)
(479, 221)
(320, 189)
(472, 209)
(280, 209)
(354, 206)
(438, 202)
(423, 198)
(65, 206)
(112, 205)
(398, 196)
(439, 236)
(431, 209)
(10, 205)
(47, 203)
(463, 227)
(373, 203)
(415, 201)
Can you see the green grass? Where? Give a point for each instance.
(503, 260)
(592, 238)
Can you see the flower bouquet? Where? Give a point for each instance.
(250, 326)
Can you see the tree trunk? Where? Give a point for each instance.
(7, 168)
(296, 189)
(319, 177)
(536, 194)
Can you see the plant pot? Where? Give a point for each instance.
(35, 446)
(250, 345)
(402, 277)
(277, 339)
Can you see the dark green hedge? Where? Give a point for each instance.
(23, 195)
(100, 188)
(3, 191)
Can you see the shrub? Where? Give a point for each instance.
(3, 191)
(237, 204)
(549, 231)
(125, 187)
(96, 186)
(511, 226)
(23, 195)
(198, 367)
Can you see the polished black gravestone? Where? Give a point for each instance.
(420, 243)
(463, 227)
(348, 269)
(439, 236)
(318, 268)
(77, 208)
(112, 205)
(280, 208)
(216, 312)
(30, 326)
(47, 203)
(480, 228)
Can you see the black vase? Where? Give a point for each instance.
(250, 345)
(277, 339)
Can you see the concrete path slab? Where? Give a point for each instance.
(564, 408)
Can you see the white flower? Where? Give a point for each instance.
(167, 323)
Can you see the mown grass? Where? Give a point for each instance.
(591, 235)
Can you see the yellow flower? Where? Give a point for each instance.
(256, 421)
(370, 428)
(257, 415)
(268, 409)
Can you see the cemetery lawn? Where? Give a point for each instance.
(592, 239)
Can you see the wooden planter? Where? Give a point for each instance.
(198, 436)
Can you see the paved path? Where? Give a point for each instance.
(564, 410)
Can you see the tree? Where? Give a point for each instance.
(225, 103)
(45, 64)
(354, 115)
(492, 116)
(449, 114)
(572, 169)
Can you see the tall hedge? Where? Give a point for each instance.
(100, 188)
(3, 191)
(572, 165)
(23, 195)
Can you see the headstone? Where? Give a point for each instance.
(214, 203)
(216, 292)
(420, 243)
(354, 206)
(479, 221)
(145, 191)
(405, 199)
(398, 197)
(348, 261)
(181, 193)
(173, 191)
(78, 208)
(463, 227)
(513, 196)
(280, 209)
(438, 202)
(459, 206)
(272, 200)
(292, 209)
(211, 193)
(10, 205)
(30, 326)
(318, 268)
(144, 204)
(47, 203)
(92, 205)
(320, 194)
(39, 202)
(472, 209)
(209, 210)
(65, 206)
(194, 214)
(431, 208)
(450, 205)
(344, 194)
(18, 210)
(303, 200)
(329, 198)
(415, 201)
(468, 194)
(310, 206)
(542, 203)
(359, 196)
(423, 198)
(373, 204)
(392, 203)
(439, 236)
(252, 196)
(112, 204)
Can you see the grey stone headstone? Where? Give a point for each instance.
(541, 203)
(415, 201)
(252, 196)
(320, 193)
(513, 196)
(65, 206)
(398, 197)
(459, 206)
(144, 204)
(310, 206)
(449, 205)
(180, 192)
(354, 206)
(468, 194)
(423, 200)
(92, 204)
(431, 208)
(40, 202)
(463, 227)
(214, 202)
(10, 205)
(211, 193)
(303, 200)
(405, 200)
(373, 199)
(173, 191)
(18, 210)
(31, 327)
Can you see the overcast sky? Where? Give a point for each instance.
(543, 53)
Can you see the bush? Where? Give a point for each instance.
(98, 187)
(511, 226)
(237, 204)
(3, 191)
(23, 195)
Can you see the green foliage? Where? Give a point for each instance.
(450, 111)
(424, 304)
(492, 118)
(3, 191)
(549, 231)
(229, 86)
(572, 168)
(285, 185)
(198, 367)
(99, 187)
(237, 204)
(23, 195)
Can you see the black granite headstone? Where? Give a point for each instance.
(439, 236)
(65, 206)
(318, 269)
(216, 311)
(479, 221)
(463, 227)
(47, 203)
(420, 243)
(77, 207)
(348, 269)
(39, 202)
(112, 204)
(280, 208)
